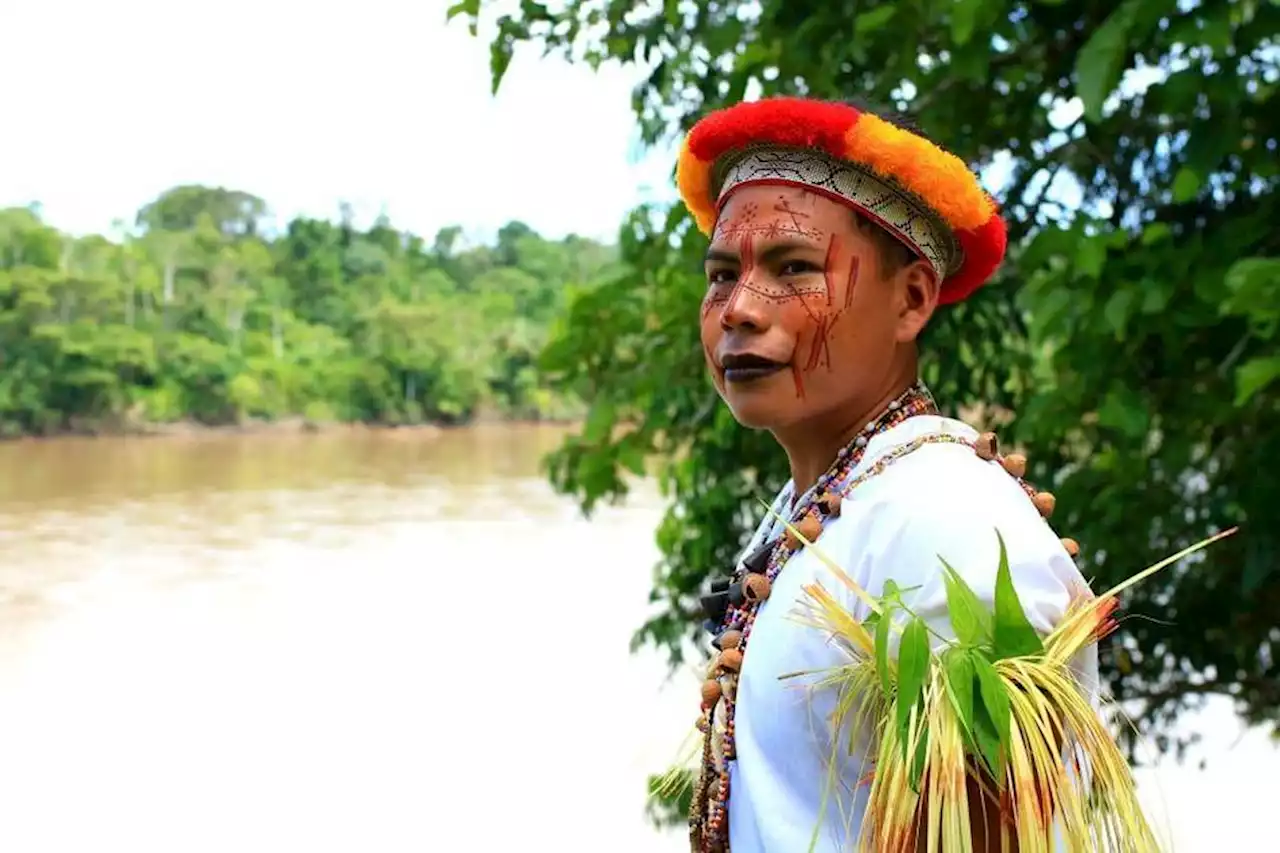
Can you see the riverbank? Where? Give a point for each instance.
(282, 426)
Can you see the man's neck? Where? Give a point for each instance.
(813, 446)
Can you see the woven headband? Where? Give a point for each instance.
(899, 213)
(924, 196)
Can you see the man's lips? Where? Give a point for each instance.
(745, 367)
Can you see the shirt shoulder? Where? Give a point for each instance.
(941, 505)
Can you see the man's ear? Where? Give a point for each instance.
(918, 290)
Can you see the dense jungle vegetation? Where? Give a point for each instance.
(197, 315)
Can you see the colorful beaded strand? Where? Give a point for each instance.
(709, 818)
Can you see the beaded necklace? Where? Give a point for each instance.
(732, 606)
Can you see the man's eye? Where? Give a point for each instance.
(721, 277)
(797, 268)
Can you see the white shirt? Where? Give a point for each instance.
(940, 499)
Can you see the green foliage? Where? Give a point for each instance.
(991, 713)
(200, 317)
(1130, 340)
(913, 668)
(969, 619)
(1012, 634)
(983, 636)
(961, 678)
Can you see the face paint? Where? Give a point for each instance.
(782, 271)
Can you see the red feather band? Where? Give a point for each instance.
(935, 206)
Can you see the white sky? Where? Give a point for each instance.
(306, 105)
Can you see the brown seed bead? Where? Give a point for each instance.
(810, 527)
(1015, 464)
(756, 587)
(830, 503)
(1072, 546)
(730, 639)
(710, 692)
(1044, 503)
(731, 660)
(986, 446)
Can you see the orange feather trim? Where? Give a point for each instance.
(693, 178)
(938, 177)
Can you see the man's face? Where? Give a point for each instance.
(799, 320)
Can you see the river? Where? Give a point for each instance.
(359, 641)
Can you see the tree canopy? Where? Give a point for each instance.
(200, 316)
(1129, 342)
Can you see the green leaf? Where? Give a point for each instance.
(891, 593)
(470, 8)
(1254, 375)
(1246, 271)
(1156, 295)
(918, 760)
(600, 421)
(970, 619)
(631, 457)
(501, 52)
(992, 714)
(1117, 311)
(1254, 287)
(964, 16)
(1100, 63)
(1013, 634)
(1091, 255)
(913, 668)
(1123, 411)
(1186, 184)
(671, 11)
(995, 698)
(875, 19)
(1156, 232)
(960, 678)
(882, 654)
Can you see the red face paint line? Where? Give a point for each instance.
(742, 223)
(829, 267)
(820, 348)
(747, 252)
(784, 206)
(709, 304)
(852, 281)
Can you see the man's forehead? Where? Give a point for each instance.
(772, 198)
(776, 212)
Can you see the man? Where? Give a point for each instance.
(835, 235)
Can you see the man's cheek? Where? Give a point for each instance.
(717, 376)
(709, 340)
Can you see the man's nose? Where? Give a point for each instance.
(747, 309)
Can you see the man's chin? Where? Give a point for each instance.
(762, 405)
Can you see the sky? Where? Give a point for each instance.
(378, 104)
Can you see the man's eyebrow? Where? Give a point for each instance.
(769, 253)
